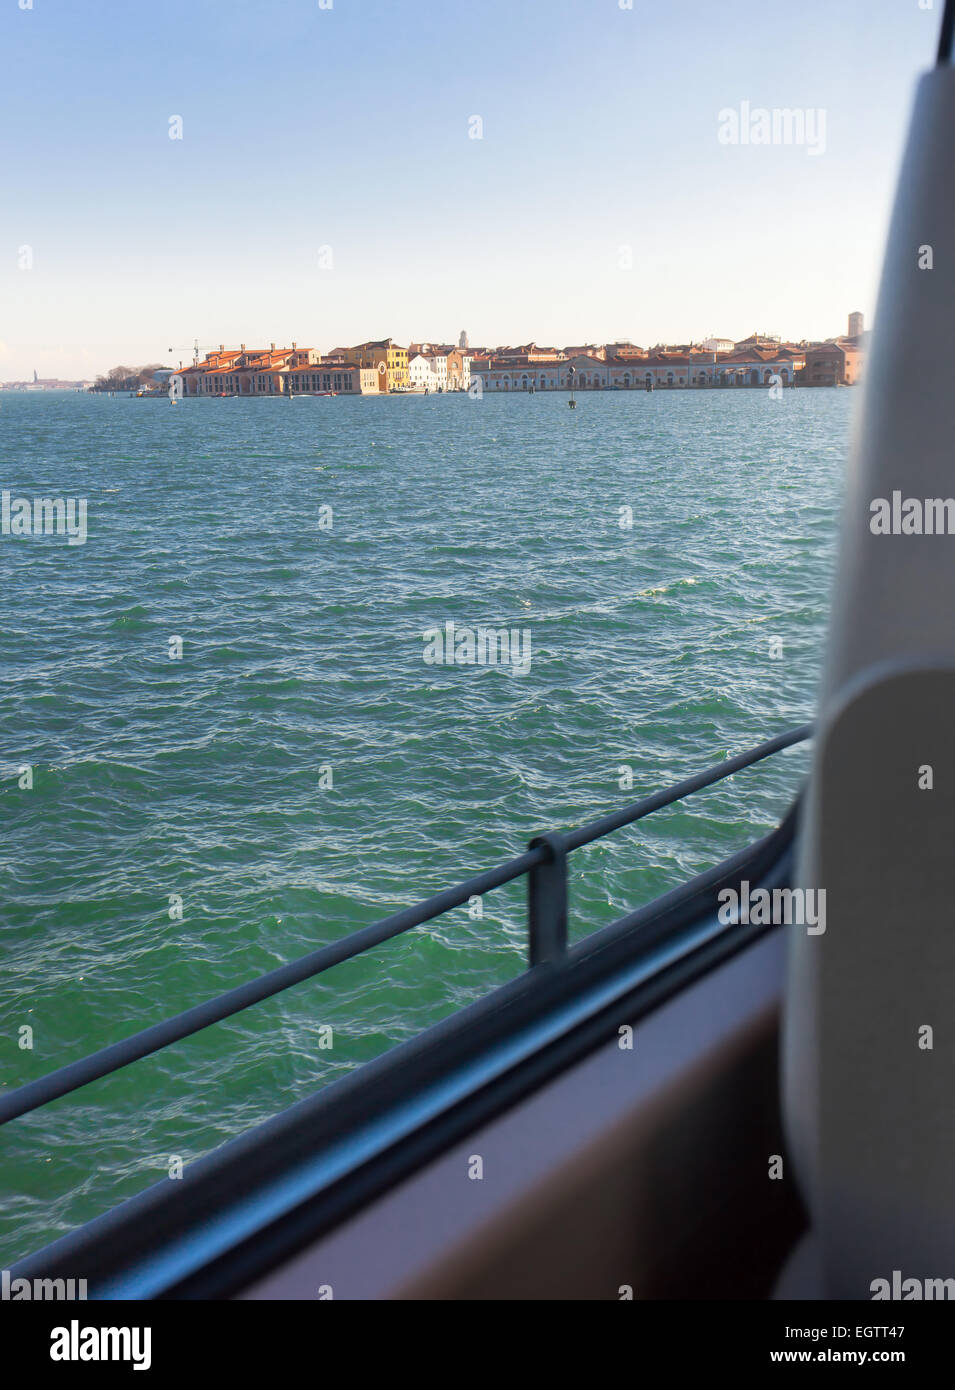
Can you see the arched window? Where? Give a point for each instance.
(754, 377)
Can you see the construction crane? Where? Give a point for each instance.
(198, 347)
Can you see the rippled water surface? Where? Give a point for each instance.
(303, 650)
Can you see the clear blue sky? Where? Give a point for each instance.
(348, 127)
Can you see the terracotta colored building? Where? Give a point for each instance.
(459, 369)
(341, 377)
(244, 372)
(273, 372)
(833, 364)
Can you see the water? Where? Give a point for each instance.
(303, 650)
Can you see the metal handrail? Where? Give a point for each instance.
(544, 862)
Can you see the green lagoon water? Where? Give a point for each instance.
(303, 648)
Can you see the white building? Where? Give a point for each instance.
(439, 366)
(421, 373)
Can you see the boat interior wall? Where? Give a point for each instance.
(659, 1188)
(868, 1074)
(868, 1086)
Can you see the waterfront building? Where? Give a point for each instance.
(382, 366)
(756, 367)
(428, 350)
(480, 366)
(275, 372)
(586, 350)
(318, 378)
(386, 358)
(459, 369)
(421, 372)
(438, 363)
(450, 366)
(530, 352)
(662, 371)
(526, 355)
(244, 371)
(518, 374)
(590, 371)
(833, 364)
(757, 340)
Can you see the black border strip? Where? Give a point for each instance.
(946, 39)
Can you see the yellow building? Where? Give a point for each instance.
(387, 359)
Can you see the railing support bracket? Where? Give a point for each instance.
(547, 902)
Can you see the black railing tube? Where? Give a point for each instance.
(120, 1054)
(547, 902)
(575, 839)
(946, 36)
(545, 861)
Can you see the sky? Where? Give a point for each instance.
(329, 186)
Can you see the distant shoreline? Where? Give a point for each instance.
(579, 394)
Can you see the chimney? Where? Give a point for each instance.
(222, 347)
(294, 346)
(271, 347)
(242, 346)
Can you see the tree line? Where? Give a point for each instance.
(127, 378)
